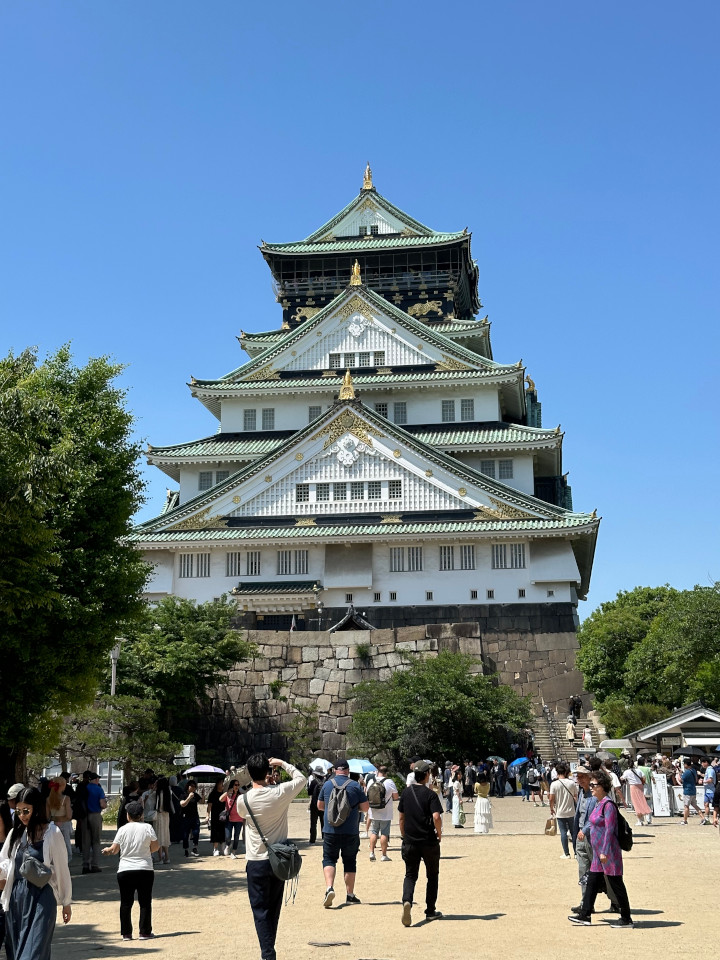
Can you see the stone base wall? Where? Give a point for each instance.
(530, 648)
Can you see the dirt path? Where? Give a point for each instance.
(508, 893)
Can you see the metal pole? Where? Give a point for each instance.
(114, 656)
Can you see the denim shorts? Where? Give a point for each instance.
(341, 844)
(381, 828)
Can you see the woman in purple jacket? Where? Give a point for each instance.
(607, 855)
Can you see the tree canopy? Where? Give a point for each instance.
(436, 708)
(69, 486)
(651, 650)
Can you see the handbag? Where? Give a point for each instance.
(150, 816)
(35, 871)
(223, 816)
(284, 856)
(461, 818)
(551, 827)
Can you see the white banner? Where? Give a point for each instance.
(661, 797)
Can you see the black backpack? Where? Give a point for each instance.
(377, 794)
(624, 830)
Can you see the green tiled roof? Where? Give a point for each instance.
(381, 202)
(263, 335)
(274, 586)
(229, 386)
(374, 242)
(504, 434)
(384, 530)
(218, 446)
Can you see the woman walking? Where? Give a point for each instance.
(30, 908)
(59, 810)
(607, 860)
(570, 731)
(135, 842)
(164, 806)
(233, 822)
(214, 809)
(636, 781)
(483, 821)
(458, 815)
(587, 737)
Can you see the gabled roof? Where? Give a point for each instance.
(383, 204)
(677, 720)
(425, 333)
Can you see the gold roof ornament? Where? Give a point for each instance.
(347, 390)
(355, 280)
(367, 178)
(531, 383)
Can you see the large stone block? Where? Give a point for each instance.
(289, 673)
(309, 654)
(353, 676)
(306, 670)
(343, 724)
(346, 664)
(317, 686)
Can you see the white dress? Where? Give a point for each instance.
(483, 821)
(457, 802)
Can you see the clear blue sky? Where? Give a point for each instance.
(148, 147)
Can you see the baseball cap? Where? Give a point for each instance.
(15, 790)
(91, 775)
(342, 765)
(421, 766)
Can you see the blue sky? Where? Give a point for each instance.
(147, 149)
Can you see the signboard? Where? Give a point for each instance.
(187, 757)
(673, 741)
(660, 794)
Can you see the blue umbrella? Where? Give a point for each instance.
(362, 765)
(518, 763)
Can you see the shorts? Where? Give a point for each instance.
(688, 801)
(341, 844)
(381, 828)
(534, 787)
(709, 794)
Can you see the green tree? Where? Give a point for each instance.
(69, 486)
(436, 708)
(620, 717)
(610, 633)
(304, 736)
(176, 652)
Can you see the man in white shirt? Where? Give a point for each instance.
(381, 816)
(563, 795)
(269, 805)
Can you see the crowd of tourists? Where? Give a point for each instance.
(246, 814)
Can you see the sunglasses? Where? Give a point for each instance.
(24, 811)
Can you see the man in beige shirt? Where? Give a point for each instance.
(270, 805)
(563, 795)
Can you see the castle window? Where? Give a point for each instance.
(505, 469)
(374, 490)
(415, 559)
(194, 565)
(447, 558)
(335, 359)
(339, 491)
(428, 595)
(448, 411)
(473, 595)
(491, 594)
(362, 231)
(382, 409)
(205, 479)
(374, 229)
(302, 492)
(232, 564)
(379, 357)
(313, 413)
(300, 562)
(364, 360)
(508, 556)
(322, 491)
(357, 490)
(400, 412)
(397, 559)
(393, 595)
(252, 564)
(221, 475)
(376, 598)
(467, 409)
(349, 360)
(551, 593)
(348, 598)
(521, 593)
(395, 489)
(249, 419)
(487, 467)
(467, 557)
(284, 563)
(268, 419)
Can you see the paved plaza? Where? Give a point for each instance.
(507, 894)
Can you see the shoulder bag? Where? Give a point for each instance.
(34, 870)
(284, 856)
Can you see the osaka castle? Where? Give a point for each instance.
(371, 453)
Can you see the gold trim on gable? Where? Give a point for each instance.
(264, 373)
(347, 422)
(450, 363)
(391, 518)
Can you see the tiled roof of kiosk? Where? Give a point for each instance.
(274, 586)
(242, 445)
(370, 242)
(384, 530)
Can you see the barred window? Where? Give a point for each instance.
(313, 412)
(393, 595)
(487, 467)
(447, 558)
(400, 412)
(428, 594)
(448, 411)
(382, 409)
(508, 556)
(302, 492)
(252, 564)
(364, 360)
(232, 564)
(284, 563)
(376, 598)
(374, 490)
(339, 491)
(473, 595)
(203, 565)
(397, 559)
(505, 469)
(362, 231)
(467, 557)
(194, 565)
(348, 598)
(187, 565)
(349, 360)
(322, 491)
(335, 359)
(395, 489)
(221, 475)
(357, 490)
(415, 559)
(205, 479)
(249, 419)
(300, 562)
(268, 418)
(521, 593)
(379, 356)
(467, 409)
(374, 229)
(491, 594)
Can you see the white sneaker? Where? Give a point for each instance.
(226, 851)
(372, 858)
(639, 823)
(216, 852)
(565, 856)
(385, 859)
(233, 856)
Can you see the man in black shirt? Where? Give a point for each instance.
(421, 831)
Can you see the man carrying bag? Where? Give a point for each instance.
(268, 825)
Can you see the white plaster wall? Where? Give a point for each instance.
(190, 476)
(523, 471)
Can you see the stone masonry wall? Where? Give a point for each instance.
(532, 651)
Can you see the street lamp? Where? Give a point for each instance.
(114, 656)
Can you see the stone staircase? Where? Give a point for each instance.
(549, 741)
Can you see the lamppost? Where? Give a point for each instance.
(114, 656)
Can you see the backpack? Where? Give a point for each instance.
(532, 775)
(376, 794)
(624, 830)
(338, 806)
